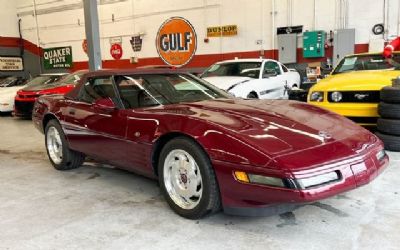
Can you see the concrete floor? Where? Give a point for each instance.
(98, 207)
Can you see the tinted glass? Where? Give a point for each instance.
(43, 80)
(149, 90)
(271, 68)
(367, 62)
(97, 88)
(246, 69)
(71, 78)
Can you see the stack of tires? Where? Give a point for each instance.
(389, 124)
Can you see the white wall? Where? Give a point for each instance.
(8, 18)
(59, 26)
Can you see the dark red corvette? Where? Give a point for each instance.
(208, 150)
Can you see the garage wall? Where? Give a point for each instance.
(61, 23)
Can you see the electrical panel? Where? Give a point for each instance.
(314, 44)
(343, 44)
(287, 48)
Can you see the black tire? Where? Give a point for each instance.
(70, 159)
(389, 126)
(252, 95)
(392, 142)
(390, 94)
(209, 202)
(389, 110)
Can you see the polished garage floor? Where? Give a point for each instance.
(98, 207)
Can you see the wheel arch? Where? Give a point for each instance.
(162, 141)
(48, 117)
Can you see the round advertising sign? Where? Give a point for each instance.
(176, 41)
(116, 51)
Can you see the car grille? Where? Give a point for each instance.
(363, 120)
(24, 108)
(357, 97)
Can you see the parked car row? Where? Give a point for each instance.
(208, 149)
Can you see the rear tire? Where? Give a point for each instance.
(389, 111)
(187, 179)
(390, 94)
(392, 142)
(389, 126)
(60, 156)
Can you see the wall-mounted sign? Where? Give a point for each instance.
(57, 58)
(227, 30)
(289, 30)
(11, 63)
(116, 39)
(136, 43)
(176, 41)
(116, 51)
(85, 46)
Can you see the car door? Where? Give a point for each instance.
(97, 132)
(274, 80)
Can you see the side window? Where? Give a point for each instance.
(97, 88)
(271, 68)
(133, 94)
(285, 69)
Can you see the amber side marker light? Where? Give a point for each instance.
(241, 176)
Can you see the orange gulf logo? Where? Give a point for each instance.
(176, 41)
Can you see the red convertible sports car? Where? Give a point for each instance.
(46, 84)
(207, 149)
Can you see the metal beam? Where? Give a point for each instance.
(92, 34)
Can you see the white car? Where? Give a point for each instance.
(253, 78)
(7, 95)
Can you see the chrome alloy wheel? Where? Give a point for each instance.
(182, 179)
(54, 145)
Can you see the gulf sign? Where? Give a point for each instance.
(176, 41)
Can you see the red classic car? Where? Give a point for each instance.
(207, 149)
(46, 84)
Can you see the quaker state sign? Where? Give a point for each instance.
(57, 58)
(176, 41)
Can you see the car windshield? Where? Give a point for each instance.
(156, 89)
(71, 78)
(44, 80)
(367, 62)
(8, 81)
(245, 69)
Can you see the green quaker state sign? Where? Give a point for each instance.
(57, 58)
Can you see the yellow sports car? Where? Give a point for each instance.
(352, 89)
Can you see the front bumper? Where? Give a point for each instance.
(259, 200)
(362, 113)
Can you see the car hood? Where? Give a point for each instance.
(281, 128)
(225, 82)
(358, 80)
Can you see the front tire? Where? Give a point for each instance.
(252, 95)
(61, 157)
(187, 179)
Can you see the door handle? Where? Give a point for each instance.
(71, 111)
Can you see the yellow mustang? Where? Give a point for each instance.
(353, 88)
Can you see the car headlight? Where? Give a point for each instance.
(318, 180)
(336, 96)
(317, 96)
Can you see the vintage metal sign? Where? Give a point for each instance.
(57, 58)
(227, 30)
(11, 63)
(136, 43)
(176, 41)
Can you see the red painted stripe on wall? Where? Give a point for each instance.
(14, 42)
